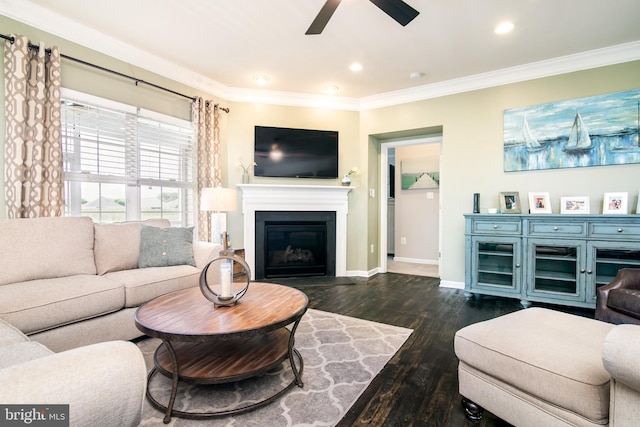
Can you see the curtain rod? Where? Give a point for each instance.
(101, 68)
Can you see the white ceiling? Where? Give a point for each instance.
(219, 45)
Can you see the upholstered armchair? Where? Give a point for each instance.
(619, 301)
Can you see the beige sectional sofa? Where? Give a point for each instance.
(69, 289)
(104, 384)
(67, 282)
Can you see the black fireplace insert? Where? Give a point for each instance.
(293, 244)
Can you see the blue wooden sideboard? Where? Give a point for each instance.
(558, 259)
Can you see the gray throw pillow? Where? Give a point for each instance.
(164, 246)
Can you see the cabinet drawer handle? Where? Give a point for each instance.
(582, 271)
(620, 230)
(589, 271)
(555, 228)
(495, 225)
(517, 265)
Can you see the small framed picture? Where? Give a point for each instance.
(574, 205)
(539, 203)
(510, 202)
(615, 203)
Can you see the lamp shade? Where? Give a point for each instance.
(218, 199)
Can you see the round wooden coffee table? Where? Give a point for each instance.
(207, 344)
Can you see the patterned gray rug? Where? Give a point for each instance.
(341, 357)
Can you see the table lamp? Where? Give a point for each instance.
(219, 201)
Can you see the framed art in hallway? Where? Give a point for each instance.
(510, 202)
(615, 203)
(574, 205)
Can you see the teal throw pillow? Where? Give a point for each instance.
(165, 246)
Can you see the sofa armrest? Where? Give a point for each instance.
(103, 383)
(203, 252)
(628, 278)
(620, 355)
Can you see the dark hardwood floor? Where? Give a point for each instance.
(419, 385)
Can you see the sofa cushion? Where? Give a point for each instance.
(43, 304)
(117, 245)
(551, 355)
(142, 285)
(626, 301)
(166, 246)
(22, 352)
(26, 255)
(9, 334)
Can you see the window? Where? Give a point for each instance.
(125, 164)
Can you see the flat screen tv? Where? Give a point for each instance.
(295, 153)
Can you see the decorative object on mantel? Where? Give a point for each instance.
(226, 295)
(346, 179)
(245, 171)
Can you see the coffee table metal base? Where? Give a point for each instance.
(255, 356)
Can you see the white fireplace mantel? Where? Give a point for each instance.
(267, 197)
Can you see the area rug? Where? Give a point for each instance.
(341, 354)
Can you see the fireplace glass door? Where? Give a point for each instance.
(295, 249)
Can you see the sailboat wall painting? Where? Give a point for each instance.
(594, 131)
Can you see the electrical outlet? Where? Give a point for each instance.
(430, 195)
(372, 192)
(403, 240)
(372, 248)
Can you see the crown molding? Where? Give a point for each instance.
(58, 25)
(617, 54)
(292, 99)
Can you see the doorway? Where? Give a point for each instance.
(407, 214)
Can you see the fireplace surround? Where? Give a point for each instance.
(291, 198)
(295, 243)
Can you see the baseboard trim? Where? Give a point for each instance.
(416, 260)
(451, 284)
(362, 273)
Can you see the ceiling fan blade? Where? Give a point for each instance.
(323, 17)
(398, 10)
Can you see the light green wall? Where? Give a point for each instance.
(472, 149)
(471, 125)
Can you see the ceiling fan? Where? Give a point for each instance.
(397, 9)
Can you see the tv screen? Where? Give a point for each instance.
(295, 153)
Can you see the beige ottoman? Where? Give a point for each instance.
(535, 367)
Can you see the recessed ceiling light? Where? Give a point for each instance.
(261, 79)
(331, 90)
(355, 66)
(504, 27)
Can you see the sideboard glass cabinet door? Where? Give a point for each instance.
(605, 259)
(556, 269)
(496, 263)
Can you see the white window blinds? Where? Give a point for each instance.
(141, 163)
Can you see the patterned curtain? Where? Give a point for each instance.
(205, 115)
(33, 151)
